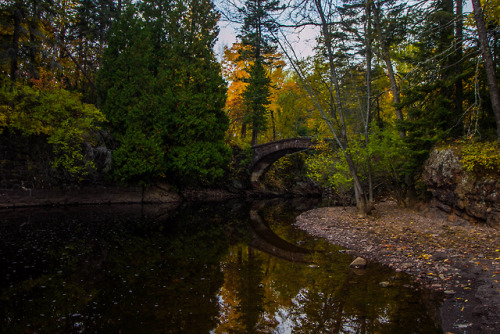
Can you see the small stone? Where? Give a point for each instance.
(384, 284)
(406, 265)
(358, 263)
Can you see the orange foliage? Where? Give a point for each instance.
(46, 81)
(235, 70)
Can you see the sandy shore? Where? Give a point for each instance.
(459, 260)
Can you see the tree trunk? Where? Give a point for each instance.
(15, 44)
(410, 184)
(459, 35)
(488, 62)
(254, 136)
(361, 203)
(33, 48)
(390, 70)
(368, 45)
(273, 123)
(243, 130)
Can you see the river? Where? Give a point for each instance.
(233, 267)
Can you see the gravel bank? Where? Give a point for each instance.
(459, 260)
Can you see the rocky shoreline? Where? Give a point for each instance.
(448, 255)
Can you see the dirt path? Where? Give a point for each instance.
(452, 257)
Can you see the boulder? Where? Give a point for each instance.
(459, 192)
(358, 263)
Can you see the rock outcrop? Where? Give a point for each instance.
(459, 192)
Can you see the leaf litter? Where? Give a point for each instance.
(457, 259)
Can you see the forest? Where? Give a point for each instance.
(139, 83)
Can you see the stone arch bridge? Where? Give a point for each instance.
(264, 155)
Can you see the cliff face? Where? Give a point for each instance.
(459, 192)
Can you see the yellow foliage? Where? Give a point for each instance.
(481, 158)
(235, 70)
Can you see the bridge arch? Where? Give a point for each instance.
(266, 154)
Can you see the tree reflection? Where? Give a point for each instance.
(195, 270)
(263, 294)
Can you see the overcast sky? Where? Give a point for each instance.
(303, 41)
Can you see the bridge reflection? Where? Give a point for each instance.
(264, 239)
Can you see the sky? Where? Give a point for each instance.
(303, 41)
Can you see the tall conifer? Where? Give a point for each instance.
(257, 32)
(162, 90)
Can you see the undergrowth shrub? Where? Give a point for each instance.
(482, 158)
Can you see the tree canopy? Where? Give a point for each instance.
(388, 78)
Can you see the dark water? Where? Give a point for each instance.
(197, 269)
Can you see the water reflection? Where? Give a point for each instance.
(202, 269)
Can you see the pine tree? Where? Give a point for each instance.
(125, 84)
(430, 92)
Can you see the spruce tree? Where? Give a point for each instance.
(256, 97)
(257, 32)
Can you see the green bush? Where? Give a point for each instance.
(55, 113)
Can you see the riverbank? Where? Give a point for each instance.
(459, 260)
(97, 195)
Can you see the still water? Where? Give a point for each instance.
(206, 268)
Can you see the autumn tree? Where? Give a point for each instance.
(236, 70)
(37, 103)
(333, 110)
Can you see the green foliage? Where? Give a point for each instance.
(162, 90)
(258, 27)
(242, 156)
(388, 151)
(389, 156)
(199, 161)
(329, 169)
(138, 157)
(56, 113)
(385, 159)
(482, 158)
(256, 97)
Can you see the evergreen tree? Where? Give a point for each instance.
(430, 92)
(126, 86)
(198, 152)
(85, 38)
(256, 97)
(489, 65)
(163, 93)
(257, 32)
